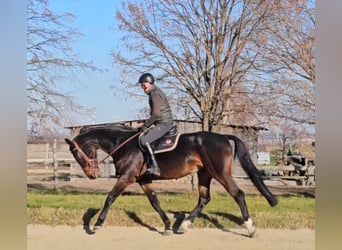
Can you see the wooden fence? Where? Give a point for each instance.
(51, 162)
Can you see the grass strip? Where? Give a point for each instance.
(130, 209)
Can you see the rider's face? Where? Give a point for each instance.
(146, 86)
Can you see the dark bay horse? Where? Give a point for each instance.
(209, 154)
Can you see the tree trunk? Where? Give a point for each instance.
(205, 122)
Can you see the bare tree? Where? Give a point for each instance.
(288, 70)
(50, 59)
(202, 49)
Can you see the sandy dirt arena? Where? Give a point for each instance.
(42, 237)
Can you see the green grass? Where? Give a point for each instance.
(69, 208)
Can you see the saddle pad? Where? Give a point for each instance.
(167, 144)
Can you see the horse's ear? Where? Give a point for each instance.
(68, 142)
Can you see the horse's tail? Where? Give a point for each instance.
(247, 164)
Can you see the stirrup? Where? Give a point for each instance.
(154, 171)
(149, 175)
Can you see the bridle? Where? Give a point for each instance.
(92, 164)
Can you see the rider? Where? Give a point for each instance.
(160, 116)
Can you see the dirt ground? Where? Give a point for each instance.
(41, 237)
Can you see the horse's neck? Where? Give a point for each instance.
(109, 143)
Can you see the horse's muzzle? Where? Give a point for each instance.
(92, 170)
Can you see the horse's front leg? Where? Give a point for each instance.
(152, 197)
(119, 187)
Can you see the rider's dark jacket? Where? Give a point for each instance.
(159, 107)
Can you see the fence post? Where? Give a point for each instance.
(47, 148)
(192, 183)
(55, 163)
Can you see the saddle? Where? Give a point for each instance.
(167, 142)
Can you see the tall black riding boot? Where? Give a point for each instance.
(153, 167)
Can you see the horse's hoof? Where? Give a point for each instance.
(250, 228)
(96, 228)
(252, 234)
(184, 227)
(167, 232)
(182, 230)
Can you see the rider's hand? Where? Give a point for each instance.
(142, 128)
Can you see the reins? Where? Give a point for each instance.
(119, 146)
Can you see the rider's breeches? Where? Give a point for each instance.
(155, 133)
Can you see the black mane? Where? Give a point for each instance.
(107, 128)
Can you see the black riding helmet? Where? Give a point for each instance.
(146, 77)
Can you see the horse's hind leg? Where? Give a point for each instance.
(204, 180)
(239, 196)
(152, 197)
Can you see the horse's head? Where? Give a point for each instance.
(86, 157)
